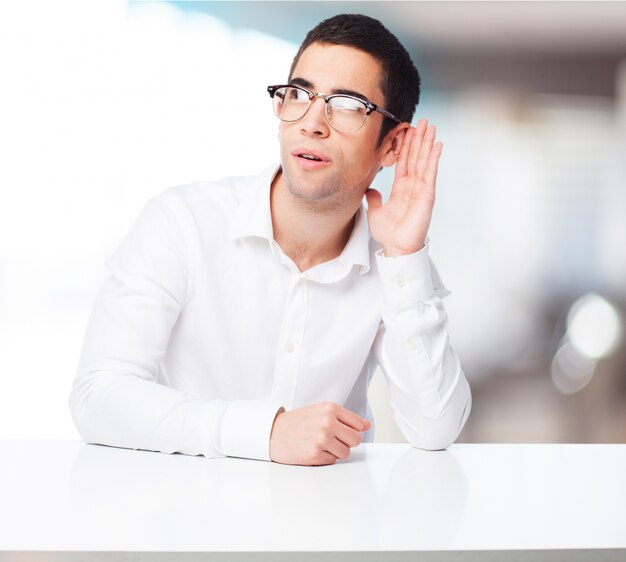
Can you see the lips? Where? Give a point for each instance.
(310, 155)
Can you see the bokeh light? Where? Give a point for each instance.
(594, 326)
(571, 371)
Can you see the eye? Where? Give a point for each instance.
(341, 103)
(295, 94)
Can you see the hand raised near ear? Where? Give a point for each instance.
(401, 224)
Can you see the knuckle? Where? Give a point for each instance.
(321, 441)
(329, 406)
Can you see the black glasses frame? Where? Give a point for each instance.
(369, 106)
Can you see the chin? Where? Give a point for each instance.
(311, 189)
(310, 192)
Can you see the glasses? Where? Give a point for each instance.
(344, 113)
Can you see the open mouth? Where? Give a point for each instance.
(310, 157)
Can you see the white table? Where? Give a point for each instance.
(65, 500)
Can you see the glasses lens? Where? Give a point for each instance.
(346, 114)
(290, 104)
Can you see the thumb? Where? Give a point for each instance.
(374, 199)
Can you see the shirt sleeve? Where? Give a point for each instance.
(430, 396)
(116, 399)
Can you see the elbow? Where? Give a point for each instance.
(430, 436)
(80, 403)
(432, 442)
(76, 403)
(436, 434)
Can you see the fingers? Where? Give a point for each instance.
(430, 175)
(419, 154)
(374, 198)
(351, 419)
(324, 458)
(425, 150)
(338, 449)
(416, 145)
(348, 436)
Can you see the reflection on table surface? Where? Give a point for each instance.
(67, 495)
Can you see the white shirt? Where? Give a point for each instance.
(205, 328)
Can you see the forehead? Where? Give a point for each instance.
(337, 67)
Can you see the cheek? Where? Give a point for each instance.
(282, 130)
(363, 157)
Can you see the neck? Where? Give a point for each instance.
(310, 232)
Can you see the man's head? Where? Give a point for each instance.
(322, 166)
(400, 80)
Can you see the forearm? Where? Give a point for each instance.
(123, 410)
(430, 395)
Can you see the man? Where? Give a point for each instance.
(246, 317)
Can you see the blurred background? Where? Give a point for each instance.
(105, 104)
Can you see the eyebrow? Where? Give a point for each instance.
(306, 84)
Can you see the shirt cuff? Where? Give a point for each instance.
(246, 428)
(405, 279)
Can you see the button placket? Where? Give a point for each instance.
(290, 343)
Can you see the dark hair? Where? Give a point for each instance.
(400, 81)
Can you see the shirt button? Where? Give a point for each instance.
(290, 348)
(400, 281)
(411, 345)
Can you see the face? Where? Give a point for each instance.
(351, 160)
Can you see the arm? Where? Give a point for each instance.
(430, 396)
(116, 399)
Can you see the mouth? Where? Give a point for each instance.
(310, 155)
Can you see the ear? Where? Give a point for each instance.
(392, 143)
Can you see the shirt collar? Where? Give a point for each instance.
(254, 218)
(357, 250)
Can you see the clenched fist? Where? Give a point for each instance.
(315, 435)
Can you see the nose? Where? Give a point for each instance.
(314, 122)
